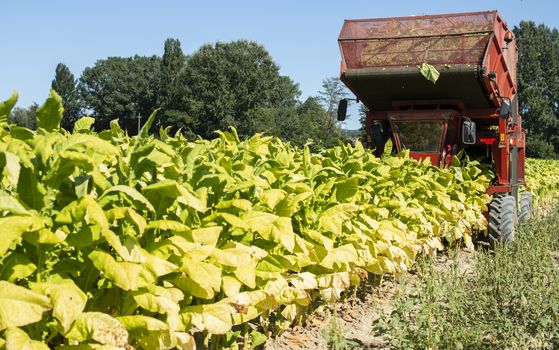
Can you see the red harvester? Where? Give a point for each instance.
(472, 106)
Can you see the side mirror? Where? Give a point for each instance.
(342, 110)
(468, 132)
(505, 110)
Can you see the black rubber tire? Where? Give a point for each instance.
(525, 206)
(502, 219)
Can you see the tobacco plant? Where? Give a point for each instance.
(118, 242)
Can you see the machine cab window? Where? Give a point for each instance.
(419, 135)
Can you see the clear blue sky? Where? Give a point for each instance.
(300, 34)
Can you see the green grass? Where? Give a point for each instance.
(509, 300)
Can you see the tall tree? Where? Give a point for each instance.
(65, 85)
(225, 81)
(333, 90)
(121, 88)
(317, 121)
(172, 65)
(171, 89)
(538, 86)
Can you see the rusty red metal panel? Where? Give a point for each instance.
(418, 26)
(405, 41)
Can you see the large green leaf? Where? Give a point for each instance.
(10, 204)
(173, 190)
(31, 191)
(344, 255)
(6, 107)
(68, 163)
(16, 266)
(11, 167)
(49, 114)
(89, 144)
(87, 219)
(149, 332)
(145, 129)
(205, 235)
(99, 327)
(133, 195)
(346, 189)
(214, 318)
(126, 275)
(162, 304)
(204, 274)
(67, 299)
(20, 306)
(83, 124)
(13, 227)
(332, 219)
(17, 339)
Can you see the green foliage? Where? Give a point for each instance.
(65, 85)
(542, 177)
(308, 123)
(235, 84)
(334, 336)
(537, 148)
(172, 66)
(508, 301)
(6, 107)
(121, 88)
(171, 90)
(333, 90)
(25, 117)
(49, 115)
(225, 81)
(538, 88)
(157, 239)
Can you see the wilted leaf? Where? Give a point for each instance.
(429, 72)
(99, 327)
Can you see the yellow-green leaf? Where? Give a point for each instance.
(49, 114)
(20, 306)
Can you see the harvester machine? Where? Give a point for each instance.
(472, 106)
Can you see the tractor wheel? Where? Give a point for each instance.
(525, 207)
(502, 219)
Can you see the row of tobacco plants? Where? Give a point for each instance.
(117, 242)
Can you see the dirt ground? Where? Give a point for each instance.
(356, 316)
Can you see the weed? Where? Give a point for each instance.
(334, 335)
(509, 301)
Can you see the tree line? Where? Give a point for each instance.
(220, 85)
(239, 84)
(538, 87)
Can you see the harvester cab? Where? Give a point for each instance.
(472, 106)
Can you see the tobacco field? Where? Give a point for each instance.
(115, 242)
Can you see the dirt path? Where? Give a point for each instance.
(355, 317)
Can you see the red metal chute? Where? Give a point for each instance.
(381, 57)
